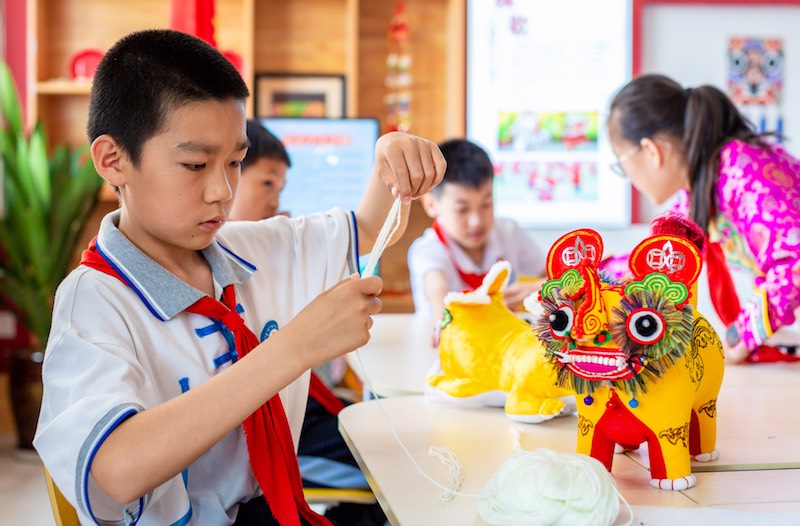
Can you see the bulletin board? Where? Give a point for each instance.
(714, 41)
(540, 76)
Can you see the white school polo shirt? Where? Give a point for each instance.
(116, 350)
(506, 241)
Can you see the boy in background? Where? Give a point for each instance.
(263, 176)
(176, 371)
(466, 239)
(325, 460)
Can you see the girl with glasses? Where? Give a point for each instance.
(741, 187)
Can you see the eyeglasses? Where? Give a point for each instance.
(617, 166)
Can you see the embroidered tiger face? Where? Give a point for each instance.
(627, 333)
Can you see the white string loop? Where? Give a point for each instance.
(388, 230)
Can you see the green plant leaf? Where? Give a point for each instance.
(39, 166)
(9, 101)
(48, 199)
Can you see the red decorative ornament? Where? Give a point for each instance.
(84, 63)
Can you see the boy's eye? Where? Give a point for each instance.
(236, 164)
(194, 167)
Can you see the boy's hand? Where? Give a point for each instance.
(408, 165)
(337, 321)
(516, 293)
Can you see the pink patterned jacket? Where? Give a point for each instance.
(758, 223)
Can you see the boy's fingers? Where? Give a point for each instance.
(371, 285)
(433, 172)
(416, 169)
(375, 306)
(398, 172)
(440, 163)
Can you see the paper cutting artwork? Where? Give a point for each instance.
(755, 80)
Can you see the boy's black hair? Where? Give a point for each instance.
(263, 144)
(147, 74)
(467, 165)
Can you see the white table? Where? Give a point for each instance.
(398, 356)
(756, 492)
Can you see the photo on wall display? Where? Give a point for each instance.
(541, 115)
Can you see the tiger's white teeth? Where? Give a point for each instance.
(619, 362)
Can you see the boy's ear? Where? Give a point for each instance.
(429, 204)
(109, 158)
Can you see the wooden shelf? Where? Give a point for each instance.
(347, 37)
(63, 87)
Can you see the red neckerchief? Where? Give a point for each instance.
(473, 281)
(322, 394)
(269, 439)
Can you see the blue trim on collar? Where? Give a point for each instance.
(166, 293)
(127, 280)
(240, 260)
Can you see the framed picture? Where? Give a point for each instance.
(299, 95)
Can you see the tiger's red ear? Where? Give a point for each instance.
(671, 255)
(579, 247)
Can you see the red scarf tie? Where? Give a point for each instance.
(720, 284)
(269, 440)
(473, 281)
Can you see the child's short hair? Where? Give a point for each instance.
(148, 73)
(263, 144)
(467, 165)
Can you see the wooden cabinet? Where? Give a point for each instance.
(292, 36)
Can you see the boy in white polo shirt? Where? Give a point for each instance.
(466, 238)
(161, 406)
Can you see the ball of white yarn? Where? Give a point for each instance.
(544, 487)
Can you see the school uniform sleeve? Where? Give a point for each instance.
(93, 383)
(759, 192)
(426, 254)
